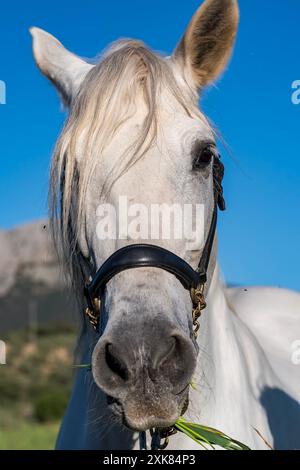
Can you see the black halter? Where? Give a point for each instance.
(141, 256)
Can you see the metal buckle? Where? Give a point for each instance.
(94, 313)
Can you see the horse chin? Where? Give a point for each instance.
(136, 417)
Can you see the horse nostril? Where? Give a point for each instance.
(164, 353)
(178, 362)
(115, 364)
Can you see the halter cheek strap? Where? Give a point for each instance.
(141, 256)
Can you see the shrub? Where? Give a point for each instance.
(10, 389)
(50, 405)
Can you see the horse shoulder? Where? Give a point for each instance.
(273, 316)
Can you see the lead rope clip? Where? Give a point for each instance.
(157, 435)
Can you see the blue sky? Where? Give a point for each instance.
(259, 234)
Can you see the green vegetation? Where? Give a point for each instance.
(35, 385)
(29, 437)
(208, 438)
(50, 405)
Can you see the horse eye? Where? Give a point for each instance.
(204, 157)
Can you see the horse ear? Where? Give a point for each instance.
(64, 69)
(207, 43)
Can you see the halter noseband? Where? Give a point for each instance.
(141, 256)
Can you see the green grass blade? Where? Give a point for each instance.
(187, 432)
(210, 436)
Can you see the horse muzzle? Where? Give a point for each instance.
(147, 379)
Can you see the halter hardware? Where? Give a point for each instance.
(199, 304)
(93, 313)
(161, 434)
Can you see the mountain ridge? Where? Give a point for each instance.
(32, 285)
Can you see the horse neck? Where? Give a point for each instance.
(221, 362)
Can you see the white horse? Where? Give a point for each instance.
(134, 129)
